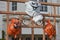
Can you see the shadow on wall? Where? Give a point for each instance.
(3, 35)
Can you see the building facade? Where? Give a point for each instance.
(20, 7)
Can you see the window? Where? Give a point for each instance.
(39, 38)
(34, 38)
(43, 7)
(28, 38)
(14, 6)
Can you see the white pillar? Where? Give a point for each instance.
(1, 26)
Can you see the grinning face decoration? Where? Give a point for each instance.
(34, 5)
(33, 10)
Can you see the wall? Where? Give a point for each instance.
(58, 31)
(1, 22)
(3, 6)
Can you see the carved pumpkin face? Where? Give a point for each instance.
(15, 22)
(14, 27)
(49, 29)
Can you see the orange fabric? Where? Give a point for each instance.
(49, 29)
(11, 30)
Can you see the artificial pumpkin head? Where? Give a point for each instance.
(14, 27)
(49, 29)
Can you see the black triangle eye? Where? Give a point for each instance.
(33, 3)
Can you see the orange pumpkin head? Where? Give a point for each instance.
(14, 28)
(49, 29)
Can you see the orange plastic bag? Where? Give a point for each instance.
(49, 29)
(14, 28)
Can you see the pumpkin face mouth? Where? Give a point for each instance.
(16, 25)
(34, 5)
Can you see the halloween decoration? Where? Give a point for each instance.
(14, 28)
(49, 29)
(33, 10)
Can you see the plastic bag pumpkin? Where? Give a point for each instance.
(49, 29)
(14, 28)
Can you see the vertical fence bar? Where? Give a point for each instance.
(43, 28)
(32, 30)
(32, 33)
(20, 34)
(7, 16)
(54, 20)
(21, 20)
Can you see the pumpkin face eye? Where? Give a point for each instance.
(16, 23)
(33, 3)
